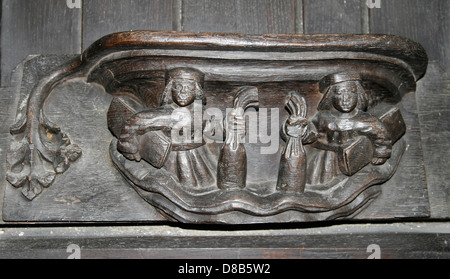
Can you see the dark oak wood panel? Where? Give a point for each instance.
(433, 101)
(49, 27)
(8, 99)
(102, 17)
(164, 242)
(37, 27)
(333, 16)
(423, 21)
(239, 16)
(88, 136)
(427, 23)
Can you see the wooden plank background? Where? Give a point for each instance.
(410, 240)
(51, 27)
(37, 27)
(239, 16)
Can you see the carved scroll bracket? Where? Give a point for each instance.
(40, 150)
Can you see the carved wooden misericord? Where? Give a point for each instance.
(234, 129)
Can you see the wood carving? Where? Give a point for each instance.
(40, 149)
(181, 115)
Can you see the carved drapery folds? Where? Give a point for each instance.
(186, 117)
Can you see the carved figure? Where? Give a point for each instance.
(349, 137)
(167, 137)
(337, 155)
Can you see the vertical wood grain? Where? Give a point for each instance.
(177, 15)
(422, 21)
(433, 101)
(299, 20)
(239, 16)
(102, 17)
(50, 27)
(332, 16)
(427, 23)
(37, 27)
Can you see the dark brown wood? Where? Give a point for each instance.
(428, 23)
(433, 97)
(9, 99)
(395, 241)
(239, 16)
(101, 17)
(232, 164)
(37, 27)
(70, 200)
(333, 16)
(292, 173)
(158, 79)
(423, 21)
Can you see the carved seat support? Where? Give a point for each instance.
(192, 133)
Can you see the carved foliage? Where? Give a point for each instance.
(39, 149)
(33, 167)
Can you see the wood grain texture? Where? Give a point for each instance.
(37, 27)
(423, 21)
(333, 16)
(8, 99)
(29, 27)
(445, 52)
(102, 17)
(90, 113)
(239, 16)
(90, 190)
(433, 98)
(396, 241)
(411, 169)
(427, 22)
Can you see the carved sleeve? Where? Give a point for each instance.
(375, 130)
(123, 106)
(127, 109)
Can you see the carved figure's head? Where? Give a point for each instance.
(184, 86)
(345, 97)
(342, 91)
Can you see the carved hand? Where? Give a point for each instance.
(181, 118)
(297, 123)
(128, 141)
(296, 126)
(143, 122)
(379, 161)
